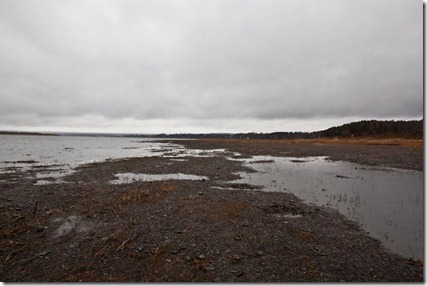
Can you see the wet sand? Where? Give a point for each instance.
(89, 229)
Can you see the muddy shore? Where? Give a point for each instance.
(88, 229)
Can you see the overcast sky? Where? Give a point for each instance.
(208, 65)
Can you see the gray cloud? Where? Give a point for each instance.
(196, 62)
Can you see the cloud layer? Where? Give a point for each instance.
(80, 64)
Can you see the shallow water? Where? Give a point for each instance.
(388, 203)
(61, 154)
(73, 150)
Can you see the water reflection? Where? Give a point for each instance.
(388, 203)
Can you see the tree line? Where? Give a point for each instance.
(364, 128)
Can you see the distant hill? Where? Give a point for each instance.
(364, 128)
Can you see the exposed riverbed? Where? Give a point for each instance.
(205, 211)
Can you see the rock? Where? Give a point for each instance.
(260, 253)
(209, 268)
(201, 256)
(200, 193)
(187, 258)
(237, 258)
(44, 253)
(40, 228)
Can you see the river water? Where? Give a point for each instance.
(387, 203)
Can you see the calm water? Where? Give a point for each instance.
(61, 154)
(73, 151)
(388, 203)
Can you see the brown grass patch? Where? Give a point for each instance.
(307, 265)
(302, 234)
(139, 195)
(168, 188)
(230, 210)
(417, 143)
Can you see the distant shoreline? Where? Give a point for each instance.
(27, 133)
(378, 129)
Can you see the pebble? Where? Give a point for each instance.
(44, 253)
(201, 256)
(237, 258)
(187, 258)
(260, 253)
(200, 193)
(209, 268)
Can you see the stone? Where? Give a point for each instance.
(237, 258)
(209, 268)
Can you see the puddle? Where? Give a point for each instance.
(178, 153)
(127, 178)
(179, 160)
(52, 176)
(287, 216)
(44, 182)
(388, 203)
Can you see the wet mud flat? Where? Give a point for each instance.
(198, 228)
(398, 153)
